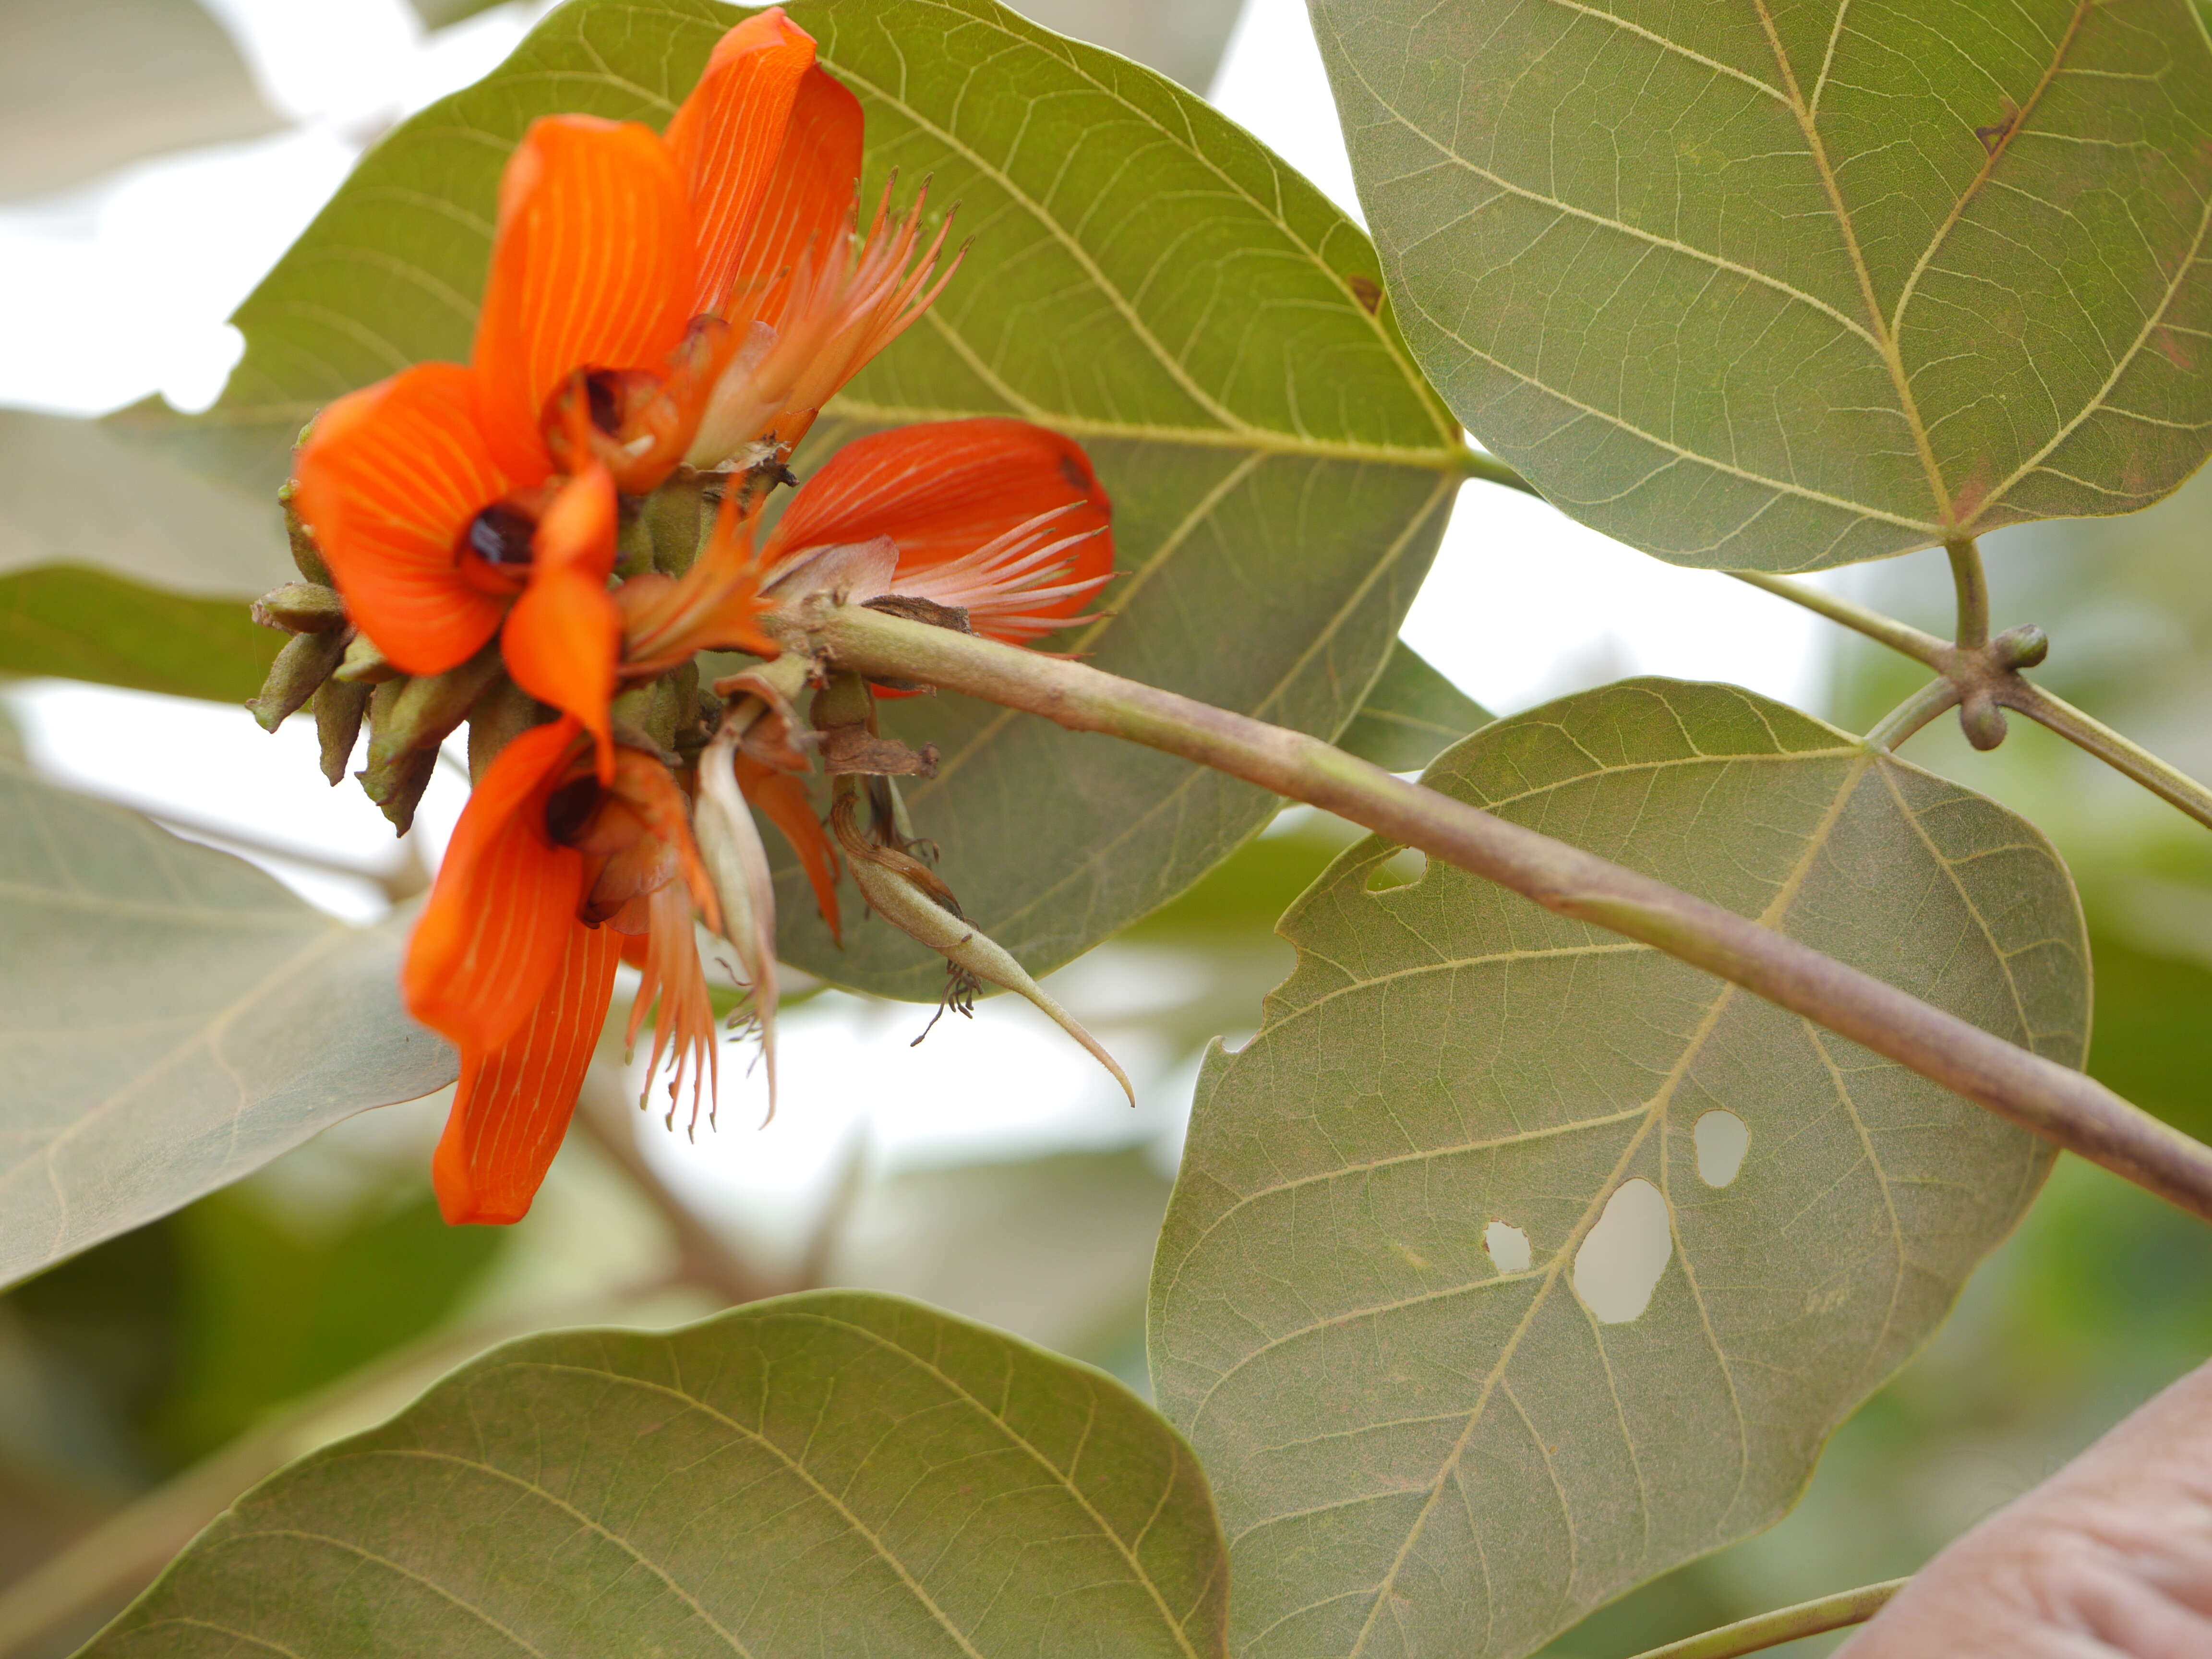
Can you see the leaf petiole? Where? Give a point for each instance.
(1769, 1630)
(2001, 683)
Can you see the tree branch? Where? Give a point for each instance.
(2169, 783)
(1989, 679)
(1771, 1630)
(2063, 1105)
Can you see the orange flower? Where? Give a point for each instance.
(1003, 519)
(514, 959)
(436, 495)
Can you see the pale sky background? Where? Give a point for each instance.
(111, 292)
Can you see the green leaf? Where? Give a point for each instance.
(1544, 1340)
(87, 85)
(175, 1019)
(1412, 713)
(1143, 276)
(1783, 288)
(835, 1473)
(118, 565)
(85, 624)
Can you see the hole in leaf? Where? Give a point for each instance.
(1722, 1138)
(1620, 1262)
(1402, 869)
(1508, 1246)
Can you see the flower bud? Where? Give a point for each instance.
(395, 782)
(364, 664)
(427, 707)
(305, 554)
(300, 670)
(300, 608)
(339, 706)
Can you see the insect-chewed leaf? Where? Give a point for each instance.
(1774, 288)
(173, 1019)
(1594, 1250)
(1144, 277)
(839, 1473)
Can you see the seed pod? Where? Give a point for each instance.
(736, 863)
(300, 608)
(427, 707)
(338, 710)
(397, 783)
(300, 670)
(907, 894)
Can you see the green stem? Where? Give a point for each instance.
(1973, 588)
(2065, 1106)
(2131, 760)
(1770, 1630)
(1997, 678)
(1898, 636)
(1915, 712)
(1491, 470)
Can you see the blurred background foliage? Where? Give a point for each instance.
(196, 1353)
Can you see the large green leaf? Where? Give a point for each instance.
(85, 624)
(1462, 1297)
(832, 1474)
(118, 565)
(1412, 713)
(87, 85)
(1143, 276)
(173, 1019)
(1778, 288)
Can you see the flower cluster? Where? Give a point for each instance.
(514, 542)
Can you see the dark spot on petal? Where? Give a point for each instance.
(1078, 479)
(499, 536)
(603, 388)
(569, 808)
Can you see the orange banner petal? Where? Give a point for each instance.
(564, 636)
(728, 136)
(493, 932)
(389, 478)
(591, 267)
(942, 489)
(514, 1101)
(807, 208)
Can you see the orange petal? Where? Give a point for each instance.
(942, 489)
(564, 634)
(590, 268)
(514, 1101)
(808, 205)
(783, 798)
(493, 932)
(644, 783)
(389, 478)
(727, 140)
